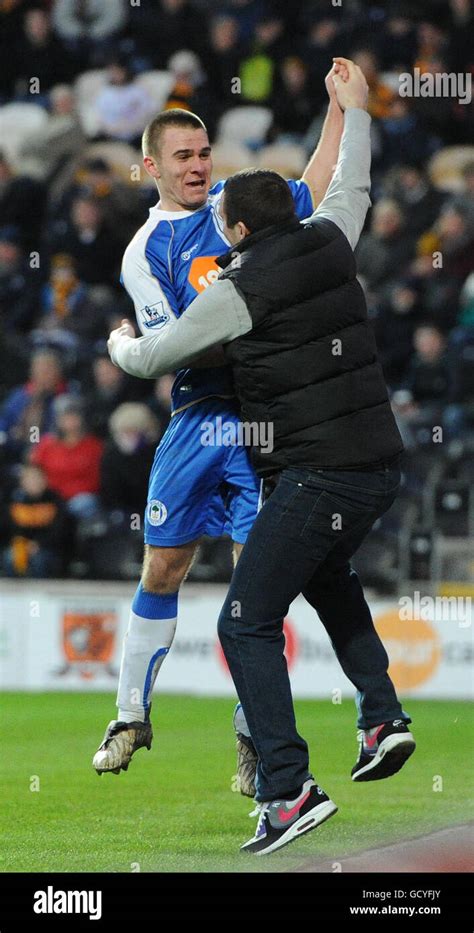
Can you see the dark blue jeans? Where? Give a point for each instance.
(302, 542)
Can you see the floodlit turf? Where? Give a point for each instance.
(174, 810)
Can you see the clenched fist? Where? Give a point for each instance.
(125, 330)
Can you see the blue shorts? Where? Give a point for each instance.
(199, 487)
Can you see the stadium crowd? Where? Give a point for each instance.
(79, 81)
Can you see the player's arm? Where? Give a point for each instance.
(218, 315)
(347, 199)
(320, 168)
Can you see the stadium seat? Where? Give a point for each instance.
(17, 121)
(288, 159)
(121, 157)
(88, 87)
(228, 158)
(247, 125)
(446, 166)
(158, 84)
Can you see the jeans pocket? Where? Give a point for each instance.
(333, 516)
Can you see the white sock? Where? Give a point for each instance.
(149, 636)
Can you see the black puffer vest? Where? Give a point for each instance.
(309, 367)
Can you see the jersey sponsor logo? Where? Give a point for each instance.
(187, 253)
(157, 512)
(154, 315)
(203, 271)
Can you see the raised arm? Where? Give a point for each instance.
(347, 199)
(216, 316)
(320, 168)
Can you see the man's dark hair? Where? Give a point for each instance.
(258, 198)
(151, 139)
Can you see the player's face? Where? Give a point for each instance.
(184, 167)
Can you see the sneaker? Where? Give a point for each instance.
(383, 750)
(282, 821)
(120, 741)
(247, 757)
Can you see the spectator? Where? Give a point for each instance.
(394, 321)
(128, 457)
(123, 205)
(160, 402)
(380, 95)
(460, 46)
(95, 247)
(122, 107)
(465, 199)
(109, 388)
(258, 69)
(445, 259)
(455, 229)
(431, 40)
(191, 90)
(223, 58)
(248, 14)
(428, 378)
(324, 40)
(35, 528)
(466, 312)
(19, 283)
(292, 110)
(11, 22)
(89, 28)
(418, 199)
(59, 139)
(436, 111)
(40, 55)
(398, 42)
(68, 305)
(403, 136)
(22, 204)
(14, 354)
(161, 30)
(383, 252)
(30, 406)
(71, 458)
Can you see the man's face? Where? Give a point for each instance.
(183, 167)
(85, 214)
(45, 373)
(33, 481)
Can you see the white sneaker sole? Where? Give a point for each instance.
(391, 755)
(305, 824)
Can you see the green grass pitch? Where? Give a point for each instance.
(174, 810)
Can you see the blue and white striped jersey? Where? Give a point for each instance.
(169, 261)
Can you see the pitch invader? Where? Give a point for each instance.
(194, 489)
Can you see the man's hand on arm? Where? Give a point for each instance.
(217, 316)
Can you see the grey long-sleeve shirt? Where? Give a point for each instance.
(219, 314)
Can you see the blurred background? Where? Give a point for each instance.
(79, 81)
